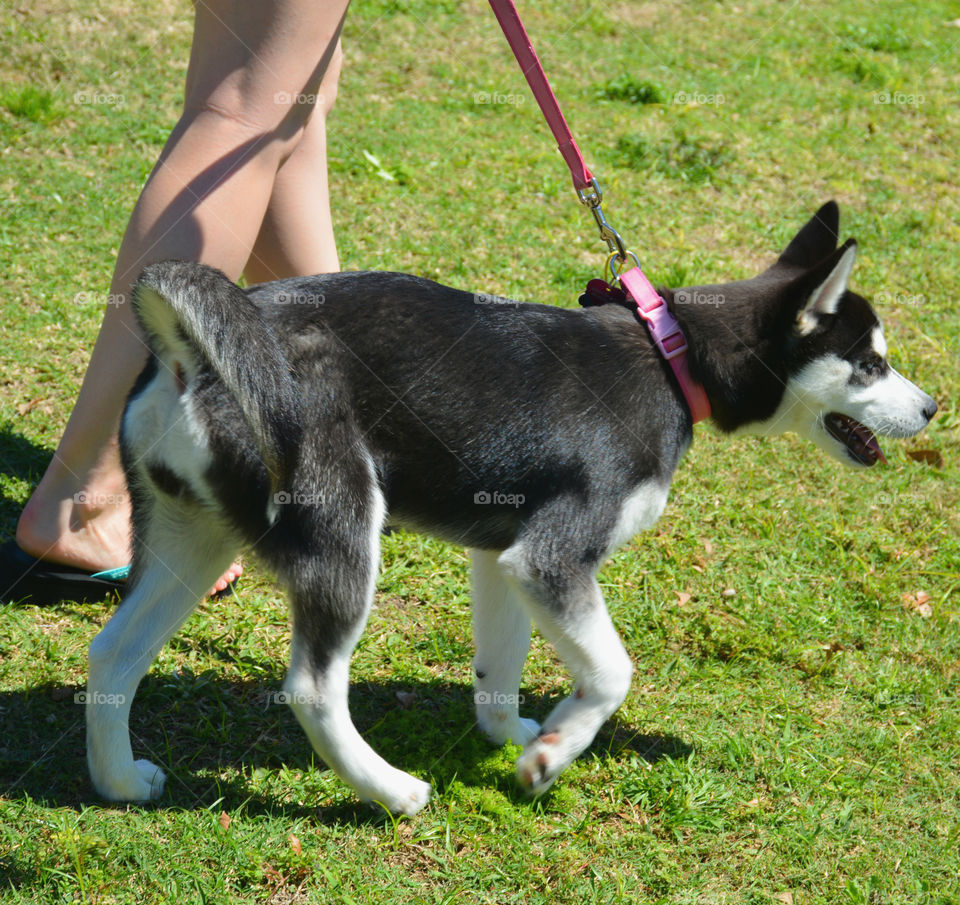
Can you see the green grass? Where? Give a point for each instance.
(793, 731)
(627, 87)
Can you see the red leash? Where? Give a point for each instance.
(651, 308)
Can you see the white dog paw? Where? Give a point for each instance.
(518, 730)
(414, 797)
(541, 763)
(406, 795)
(153, 780)
(525, 732)
(144, 781)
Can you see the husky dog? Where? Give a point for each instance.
(300, 417)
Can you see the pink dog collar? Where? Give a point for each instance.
(668, 337)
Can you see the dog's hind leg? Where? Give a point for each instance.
(567, 606)
(331, 592)
(501, 631)
(181, 554)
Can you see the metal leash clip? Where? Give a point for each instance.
(615, 260)
(592, 197)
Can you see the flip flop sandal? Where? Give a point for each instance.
(24, 578)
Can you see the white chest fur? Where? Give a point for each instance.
(639, 511)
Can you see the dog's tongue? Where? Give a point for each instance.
(858, 439)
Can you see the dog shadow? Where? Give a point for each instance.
(236, 744)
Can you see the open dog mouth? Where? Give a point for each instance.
(859, 440)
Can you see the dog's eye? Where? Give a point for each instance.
(873, 366)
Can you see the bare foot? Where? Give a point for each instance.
(228, 577)
(89, 529)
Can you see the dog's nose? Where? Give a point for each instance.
(930, 410)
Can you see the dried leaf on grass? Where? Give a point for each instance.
(927, 456)
(919, 603)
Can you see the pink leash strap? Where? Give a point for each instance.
(662, 325)
(668, 337)
(516, 34)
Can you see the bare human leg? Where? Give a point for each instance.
(232, 187)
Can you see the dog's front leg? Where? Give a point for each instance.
(501, 631)
(176, 566)
(567, 606)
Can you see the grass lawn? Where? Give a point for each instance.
(793, 731)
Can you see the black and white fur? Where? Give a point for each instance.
(300, 417)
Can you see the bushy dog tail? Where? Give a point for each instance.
(197, 320)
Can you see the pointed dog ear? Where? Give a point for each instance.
(816, 241)
(827, 289)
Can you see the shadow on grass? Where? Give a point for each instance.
(24, 460)
(211, 734)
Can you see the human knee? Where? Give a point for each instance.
(254, 104)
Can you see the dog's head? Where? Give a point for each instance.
(817, 349)
(844, 391)
(841, 392)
